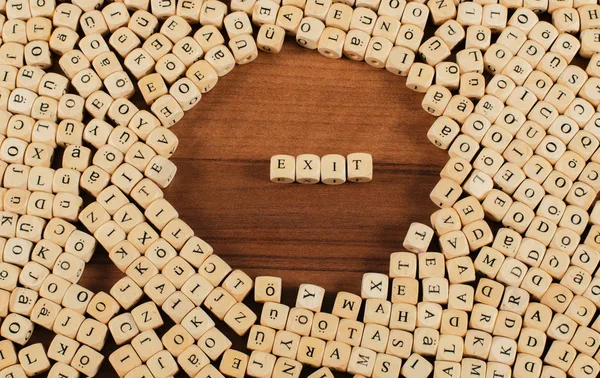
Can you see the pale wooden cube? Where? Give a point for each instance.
(283, 169)
(260, 364)
(333, 169)
(188, 50)
(190, 11)
(8, 82)
(115, 16)
(86, 82)
(22, 301)
(436, 99)
(346, 305)
(308, 169)
(299, 324)
(356, 44)
(374, 285)
(469, 14)
(386, 27)
(265, 12)
(54, 288)
(45, 109)
(37, 54)
(410, 36)
(238, 284)
(103, 307)
(123, 328)
(331, 43)
(584, 365)
(93, 334)
(309, 32)
(243, 5)
(33, 359)
(87, 361)
(350, 332)
(159, 288)
(451, 32)
(212, 13)
(456, 169)
(362, 19)
(106, 63)
(143, 24)
(234, 363)
(311, 351)
(67, 323)
(33, 275)
(434, 50)
(213, 343)
(61, 370)
(360, 167)
(261, 339)
(124, 360)
(310, 297)
(192, 360)
(70, 110)
(139, 62)
(524, 19)
(161, 170)
(14, 30)
(167, 110)
(170, 67)
(124, 41)
(146, 192)
(208, 37)
(176, 340)
(404, 290)
(418, 238)
(446, 192)
(459, 109)
(420, 77)
(317, 9)
(126, 292)
(339, 16)
(400, 60)
(544, 33)
(267, 289)
(146, 344)
(9, 354)
(219, 302)
(152, 87)
(289, 18)
(175, 28)
(447, 74)
(63, 40)
(221, 59)
(17, 329)
(119, 85)
(158, 45)
(203, 75)
(21, 101)
(442, 11)
(240, 318)
(270, 38)
(378, 52)
(416, 366)
(77, 298)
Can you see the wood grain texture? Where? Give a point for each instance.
(293, 103)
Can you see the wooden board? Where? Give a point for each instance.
(293, 103)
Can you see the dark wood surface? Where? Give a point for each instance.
(292, 103)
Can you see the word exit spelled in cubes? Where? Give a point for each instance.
(330, 169)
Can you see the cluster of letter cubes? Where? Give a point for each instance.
(330, 169)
